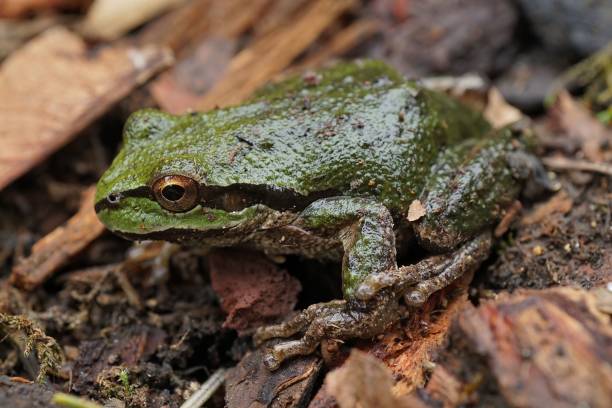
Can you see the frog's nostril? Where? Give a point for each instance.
(113, 198)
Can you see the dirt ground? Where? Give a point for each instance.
(146, 325)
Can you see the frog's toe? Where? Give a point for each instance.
(270, 360)
(338, 320)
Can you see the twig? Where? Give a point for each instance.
(563, 163)
(206, 391)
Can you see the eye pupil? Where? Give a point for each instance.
(173, 192)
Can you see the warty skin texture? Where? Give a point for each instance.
(325, 167)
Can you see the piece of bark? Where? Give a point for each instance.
(547, 348)
(110, 19)
(267, 56)
(253, 291)
(250, 384)
(53, 87)
(56, 248)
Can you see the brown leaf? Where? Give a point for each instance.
(581, 126)
(57, 247)
(364, 381)
(53, 87)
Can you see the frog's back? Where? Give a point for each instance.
(354, 129)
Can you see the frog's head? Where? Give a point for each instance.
(158, 187)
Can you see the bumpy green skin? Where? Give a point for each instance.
(359, 131)
(327, 167)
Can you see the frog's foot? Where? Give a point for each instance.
(466, 258)
(337, 320)
(418, 281)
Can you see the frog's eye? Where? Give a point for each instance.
(176, 193)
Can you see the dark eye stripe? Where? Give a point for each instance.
(236, 197)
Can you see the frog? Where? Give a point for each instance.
(344, 164)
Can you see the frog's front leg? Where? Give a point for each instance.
(365, 228)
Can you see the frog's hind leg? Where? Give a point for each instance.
(365, 228)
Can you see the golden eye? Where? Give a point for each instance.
(176, 193)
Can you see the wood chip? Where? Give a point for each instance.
(110, 19)
(54, 87)
(59, 245)
(416, 211)
(364, 381)
(258, 63)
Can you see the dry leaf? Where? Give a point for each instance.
(415, 211)
(582, 126)
(110, 19)
(53, 87)
(499, 112)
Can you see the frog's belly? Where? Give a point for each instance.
(291, 240)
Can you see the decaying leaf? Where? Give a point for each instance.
(53, 87)
(581, 126)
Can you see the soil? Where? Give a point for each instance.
(145, 325)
